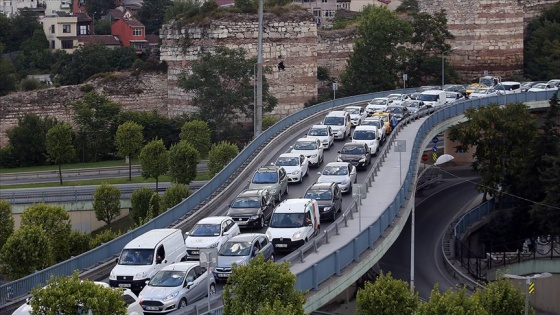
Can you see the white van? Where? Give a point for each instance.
(369, 136)
(145, 255)
(293, 223)
(433, 98)
(508, 87)
(340, 123)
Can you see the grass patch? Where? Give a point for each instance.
(67, 166)
(202, 176)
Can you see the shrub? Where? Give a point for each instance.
(30, 84)
(102, 238)
(268, 121)
(220, 155)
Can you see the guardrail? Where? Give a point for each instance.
(310, 278)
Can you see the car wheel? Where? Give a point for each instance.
(334, 215)
(212, 289)
(182, 303)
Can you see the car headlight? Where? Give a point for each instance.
(295, 172)
(274, 191)
(140, 275)
(296, 236)
(363, 159)
(327, 209)
(112, 276)
(313, 156)
(171, 296)
(214, 245)
(268, 235)
(339, 159)
(254, 217)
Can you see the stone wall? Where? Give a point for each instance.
(334, 48)
(292, 36)
(488, 34)
(142, 93)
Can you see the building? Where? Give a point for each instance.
(11, 7)
(130, 32)
(322, 10)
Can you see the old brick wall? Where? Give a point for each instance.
(333, 48)
(291, 35)
(488, 34)
(145, 92)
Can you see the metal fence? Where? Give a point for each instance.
(330, 265)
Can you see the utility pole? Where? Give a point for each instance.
(259, 102)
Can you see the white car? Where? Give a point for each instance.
(176, 286)
(377, 105)
(323, 133)
(553, 83)
(368, 135)
(295, 165)
(451, 97)
(483, 92)
(381, 128)
(357, 114)
(342, 173)
(311, 148)
(397, 99)
(208, 233)
(131, 300)
(540, 87)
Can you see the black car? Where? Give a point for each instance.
(356, 154)
(455, 88)
(328, 197)
(252, 208)
(398, 111)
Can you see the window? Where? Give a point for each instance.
(84, 30)
(67, 44)
(52, 29)
(66, 28)
(52, 44)
(136, 32)
(324, 1)
(139, 46)
(328, 13)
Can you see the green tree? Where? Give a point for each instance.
(156, 125)
(220, 155)
(129, 142)
(500, 297)
(103, 238)
(102, 27)
(542, 56)
(23, 25)
(140, 201)
(152, 13)
(60, 148)
(174, 195)
(27, 139)
(78, 243)
(386, 296)
(107, 203)
(451, 302)
(7, 77)
(71, 295)
(247, 6)
(222, 87)
(183, 159)
(55, 221)
(25, 251)
(154, 159)
(379, 52)
(96, 117)
(6, 221)
(500, 135)
(275, 286)
(99, 8)
(155, 205)
(546, 214)
(197, 133)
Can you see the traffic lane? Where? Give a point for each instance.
(431, 223)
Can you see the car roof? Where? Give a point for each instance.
(181, 266)
(353, 106)
(361, 144)
(268, 168)
(245, 237)
(337, 113)
(291, 154)
(432, 91)
(366, 127)
(307, 139)
(291, 205)
(150, 239)
(213, 220)
(320, 126)
(337, 164)
(321, 186)
(251, 193)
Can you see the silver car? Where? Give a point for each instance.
(342, 173)
(175, 286)
(239, 250)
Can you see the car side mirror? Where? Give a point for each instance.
(187, 233)
(188, 285)
(146, 282)
(116, 261)
(337, 151)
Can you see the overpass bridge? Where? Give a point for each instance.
(343, 252)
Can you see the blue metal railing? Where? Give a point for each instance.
(308, 279)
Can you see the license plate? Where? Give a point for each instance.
(223, 275)
(281, 245)
(194, 252)
(152, 308)
(124, 285)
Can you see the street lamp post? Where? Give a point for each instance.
(440, 160)
(258, 104)
(528, 282)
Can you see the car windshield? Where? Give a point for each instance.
(265, 178)
(317, 132)
(370, 122)
(168, 278)
(205, 230)
(335, 170)
(319, 194)
(540, 86)
(382, 118)
(334, 121)
(428, 97)
(363, 135)
(451, 95)
(394, 97)
(486, 81)
(394, 110)
(232, 248)
(246, 203)
(355, 111)
(482, 91)
(377, 102)
(305, 145)
(287, 161)
(353, 149)
(287, 220)
(137, 256)
(411, 104)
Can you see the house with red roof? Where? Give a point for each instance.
(130, 32)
